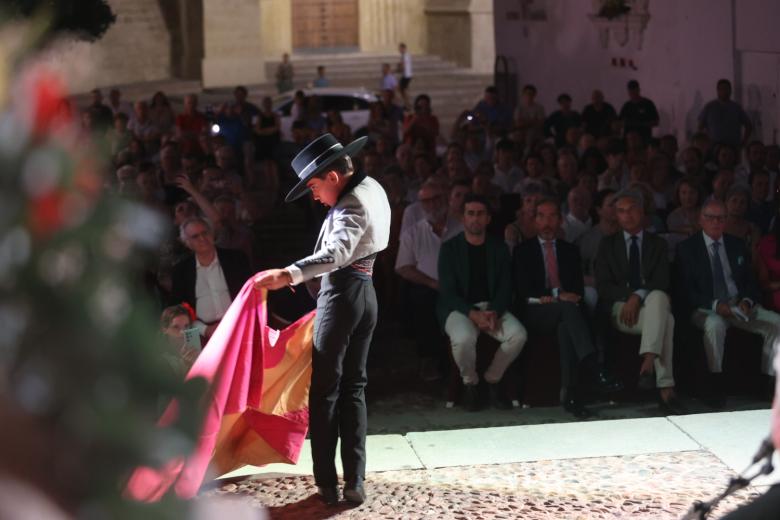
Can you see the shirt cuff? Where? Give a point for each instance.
(715, 304)
(555, 292)
(296, 275)
(642, 293)
(200, 326)
(750, 302)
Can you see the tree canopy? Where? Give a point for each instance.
(85, 19)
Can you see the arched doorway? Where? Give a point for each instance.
(325, 25)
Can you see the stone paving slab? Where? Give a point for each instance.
(733, 437)
(548, 441)
(648, 486)
(385, 453)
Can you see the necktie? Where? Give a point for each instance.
(634, 266)
(719, 289)
(551, 264)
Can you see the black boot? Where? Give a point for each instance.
(471, 398)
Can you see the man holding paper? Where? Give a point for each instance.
(721, 290)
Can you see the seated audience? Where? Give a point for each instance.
(549, 289)
(505, 173)
(762, 208)
(210, 278)
(524, 225)
(684, 219)
(721, 291)
(632, 280)
(418, 256)
(577, 220)
(769, 266)
(474, 295)
(173, 322)
(589, 242)
(615, 176)
(737, 224)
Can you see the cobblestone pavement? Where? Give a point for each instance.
(655, 486)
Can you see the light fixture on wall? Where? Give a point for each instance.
(620, 21)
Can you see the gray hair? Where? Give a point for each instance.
(630, 193)
(193, 220)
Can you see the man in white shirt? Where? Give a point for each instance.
(210, 278)
(721, 291)
(417, 263)
(405, 68)
(577, 220)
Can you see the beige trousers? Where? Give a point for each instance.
(656, 325)
(463, 334)
(766, 323)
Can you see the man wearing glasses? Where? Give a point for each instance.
(210, 278)
(720, 291)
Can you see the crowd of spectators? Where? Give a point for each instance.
(587, 218)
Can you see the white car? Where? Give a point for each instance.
(353, 104)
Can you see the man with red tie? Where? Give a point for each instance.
(550, 286)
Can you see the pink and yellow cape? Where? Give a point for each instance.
(256, 408)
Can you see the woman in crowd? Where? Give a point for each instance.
(524, 225)
(737, 200)
(684, 219)
(180, 353)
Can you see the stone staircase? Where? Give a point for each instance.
(451, 88)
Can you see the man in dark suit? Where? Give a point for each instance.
(210, 278)
(632, 279)
(475, 292)
(721, 290)
(550, 286)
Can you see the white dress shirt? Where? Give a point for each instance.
(419, 246)
(212, 297)
(574, 227)
(406, 61)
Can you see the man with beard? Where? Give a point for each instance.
(475, 291)
(550, 287)
(418, 255)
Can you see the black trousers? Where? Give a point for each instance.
(568, 321)
(346, 317)
(765, 507)
(425, 328)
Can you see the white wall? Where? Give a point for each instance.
(688, 45)
(758, 64)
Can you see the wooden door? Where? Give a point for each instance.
(321, 24)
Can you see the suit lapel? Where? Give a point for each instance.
(621, 254)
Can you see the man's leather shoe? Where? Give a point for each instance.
(672, 406)
(329, 494)
(607, 383)
(354, 492)
(576, 408)
(497, 399)
(471, 398)
(646, 381)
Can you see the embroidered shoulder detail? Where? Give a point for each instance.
(315, 260)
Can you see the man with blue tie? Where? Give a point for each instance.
(720, 290)
(632, 279)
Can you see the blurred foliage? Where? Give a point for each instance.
(80, 346)
(85, 19)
